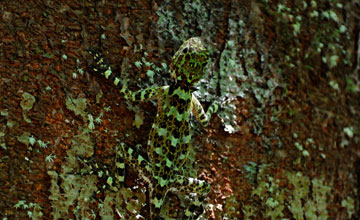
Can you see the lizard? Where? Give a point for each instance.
(170, 135)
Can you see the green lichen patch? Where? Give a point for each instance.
(271, 196)
(315, 206)
(305, 198)
(27, 101)
(125, 201)
(69, 190)
(300, 192)
(349, 204)
(4, 112)
(33, 210)
(77, 105)
(72, 191)
(2, 136)
(24, 138)
(106, 208)
(139, 119)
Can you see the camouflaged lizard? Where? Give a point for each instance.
(170, 135)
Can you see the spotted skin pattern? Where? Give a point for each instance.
(170, 136)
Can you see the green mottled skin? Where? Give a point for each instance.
(170, 136)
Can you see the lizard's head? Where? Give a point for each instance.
(189, 61)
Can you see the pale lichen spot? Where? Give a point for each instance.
(188, 213)
(172, 111)
(130, 150)
(162, 182)
(100, 174)
(157, 202)
(179, 116)
(148, 168)
(114, 188)
(109, 181)
(100, 61)
(186, 116)
(140, 158)
(182, 94)
(116, 81)
(162, 131)
(124, 90)
(174, 141)
(150, 143)
(143, 93)
(119, 178)
(107, 73)
(158, 150)
(120, 165)
(180, 180)
(197, 202)
(191, 180)
(168, 163)
(186, 139)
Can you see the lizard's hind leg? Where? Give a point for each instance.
(198, 188)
